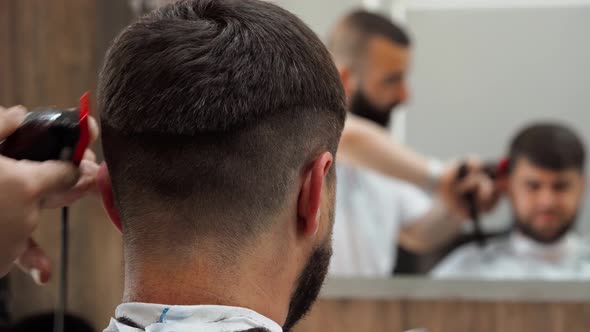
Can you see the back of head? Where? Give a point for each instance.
(549, 146)
(349, 37)
(210, 109)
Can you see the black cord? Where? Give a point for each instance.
(470, 200)
(58, 325)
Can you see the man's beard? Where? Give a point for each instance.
(527, 230)
(308, 285)
(363, 107)
(311, 279)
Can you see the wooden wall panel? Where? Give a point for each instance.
(353, 315)
(6, 36)
(438, 316)
(445, 316)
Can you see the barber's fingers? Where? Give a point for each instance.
(35, 262)
(86, 185)
(10, 119)
(89, 155)
(93, 127)
(451, 183)
(468, 184)
(487, 194)
(453, 189)
(88, 173)
(482, 187)
(449, 192)
(46, 178)
(486, 191)
(473, 164)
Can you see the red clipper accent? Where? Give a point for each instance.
(84, 139)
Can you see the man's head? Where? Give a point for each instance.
(220, 120)
(546, 180)
(373, 57)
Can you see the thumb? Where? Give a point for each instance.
(10, 119)
(35, 262)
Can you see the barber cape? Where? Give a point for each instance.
(518, 257)
(183, 318)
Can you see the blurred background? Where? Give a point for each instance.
(480, 70)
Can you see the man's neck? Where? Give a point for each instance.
(258, 284)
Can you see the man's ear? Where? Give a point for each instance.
(310, 194)
(502, 184)
(103, 180)
(347, 79)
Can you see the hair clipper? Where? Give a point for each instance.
(51, 134)
(495, 170)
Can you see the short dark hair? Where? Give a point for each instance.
(348, 39)
(551, 146)
(210, 109)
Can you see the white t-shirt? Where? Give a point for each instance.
(188, 318)
(519, 257)
(370, 210)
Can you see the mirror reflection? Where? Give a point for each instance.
(464, 151)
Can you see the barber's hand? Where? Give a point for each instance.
(25, 188)
(452, 191)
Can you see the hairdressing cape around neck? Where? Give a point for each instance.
(135, 317)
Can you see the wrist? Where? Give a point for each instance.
(434, 171)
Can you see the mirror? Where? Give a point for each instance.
(480, 73)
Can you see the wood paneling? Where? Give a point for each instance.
(353, 315)
(445, 316)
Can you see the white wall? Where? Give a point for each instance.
(321, 15)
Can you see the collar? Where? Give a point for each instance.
(554, 252)
(179, 318)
